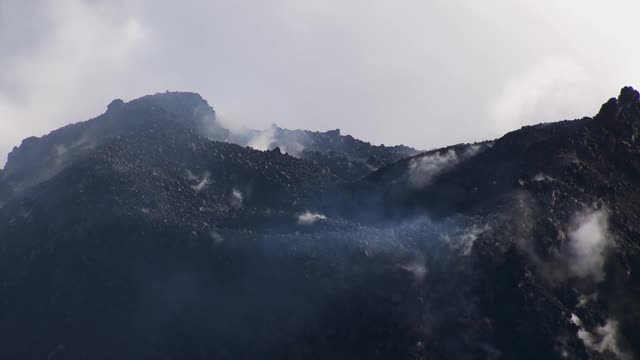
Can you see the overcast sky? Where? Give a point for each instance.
(422, 73)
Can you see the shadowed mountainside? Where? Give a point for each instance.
(139, 234)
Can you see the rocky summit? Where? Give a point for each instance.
(155, 232)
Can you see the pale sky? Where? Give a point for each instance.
(422, 73)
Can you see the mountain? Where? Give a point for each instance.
(559, 209)
(152, 231)
(39, 159)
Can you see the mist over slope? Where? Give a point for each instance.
(152, 231)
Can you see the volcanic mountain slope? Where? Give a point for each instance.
(39, 159)
(593, 156)
(99, 236)
(560, 209)
(153, 241)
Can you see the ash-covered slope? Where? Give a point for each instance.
(152, 241)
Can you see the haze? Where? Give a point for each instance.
(425, 74)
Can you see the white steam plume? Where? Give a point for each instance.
(423, 169)
(589, 241)
(262, 140)
(201, 182)
(309, 218)
(605, 338)
(236, 198)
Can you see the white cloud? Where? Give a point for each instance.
(309, 218)
(69, 73)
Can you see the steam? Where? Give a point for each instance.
(417, 269)
(263, 139)
(60, 150)
(201, 182)
(289, 141)
(236, 198)
(465, 241)
(216, 237)
(584, 300)
(424, 169)
(575, 320)
(589, 242)
(309, 218)
(542, 177)
(604, 338)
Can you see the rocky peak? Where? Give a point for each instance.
(629, 104)
(625, 107)
(609, 110)
(629, 97)
(335, 132)
(115, 105)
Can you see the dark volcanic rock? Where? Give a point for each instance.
(134, 235)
